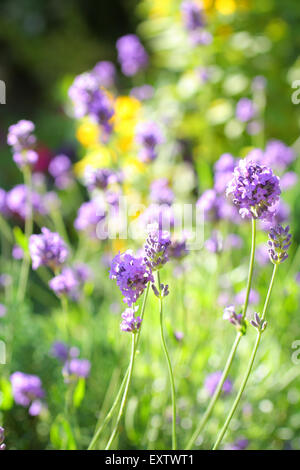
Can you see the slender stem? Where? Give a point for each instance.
(124, 399)
(216, 394)
(65, 308)
(249, 368)
(251, 265)
(171, 376)
(124, 381)
(233, 350)
(28, 231)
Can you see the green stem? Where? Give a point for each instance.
(216, 394)
(124, 399)
(249, 368)
(232, 353)
(28, 232)
(124, 381)
(251, 265)
(171, 376)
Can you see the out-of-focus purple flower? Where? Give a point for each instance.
(161, 193)
(156, 247)
(254, 189)
(2, 310)
(212, 380)
(27, 389)
(178, 248)
(65, 283)
(259, 83)
(204, 74)
(17, 252)
(130, 322)
(47, 249)
(240, 444)
(3, 206)
(82, 272)
(60, 351)
(245, 110)
(288, 180)
(241, 296)
(89, 215)
(16, 201)
(131, 54)
(97, 177)
(162, 214)
(179, 335)
(253, 127)
(262, 254)
(76, 368)
(192, 16)
(52, 201)
(224, 168)
(105, 71)
(20, 135)
(143, 92)
(214, 244)
(60, 168)
(25, 158)
(279, 213)
(232, 241)
(148, 136)
(279, 243)
(2, 445)
(215, 207)
(89, 100)
(5, 281)
(200, 38)
(277, 155)
(131, 275)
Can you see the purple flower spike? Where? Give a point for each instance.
(278, 244)
(212, 380)
(130, 322)
(26, 390)
(20, 136)
(47, 249)
(60, 351)
(161, 193)
(156, 247)
(254, 189)
(16, 201)
(131, 274)
(131, 54)
(148, 136)
(97, 177)
(65, 283)
(90, 214)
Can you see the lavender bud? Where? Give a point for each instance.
(278, 243)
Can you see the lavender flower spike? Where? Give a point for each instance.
(148, 136)
(47, 249)
(20, 135)
(254, 189)
(279, 242)
(131, 274)
(27, 391)
(130, 322)
(156, 247)
(131, 54)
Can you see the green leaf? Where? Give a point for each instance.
(21, 239)
(61, 434)
(6, 397)
(79, 392)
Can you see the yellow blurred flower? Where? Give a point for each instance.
(126, 107)
(127, 113)
(160, 8)
(99, 156)
(88, 133)
(118, 245)
(226, 7)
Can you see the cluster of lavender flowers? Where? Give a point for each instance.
(47, 249)
(70, 281)
(194, 22)
(130, 322)
(21, 139)
(254, 189)
(28, 392)
(74, 368)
